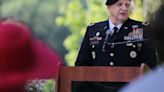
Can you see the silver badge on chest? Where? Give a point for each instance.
(93, 54)
(133, 54)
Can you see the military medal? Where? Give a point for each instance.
(93, 54)
(136, 34)
(133, 54)
(95, 40)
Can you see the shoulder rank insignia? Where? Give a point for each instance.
(91, 24)
(145, 23)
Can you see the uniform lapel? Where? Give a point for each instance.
(104, 27)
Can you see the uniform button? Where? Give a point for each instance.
(134, 46)
(98, 33)
(93, 54)
(93, 46)
(133, 54)
(112, 45)
(111, 54)
(111, 63)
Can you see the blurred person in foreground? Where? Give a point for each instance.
(26, 63)
(154, 80)
(118, 41)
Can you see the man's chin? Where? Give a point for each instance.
(123, 18)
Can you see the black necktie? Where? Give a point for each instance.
(115, 31)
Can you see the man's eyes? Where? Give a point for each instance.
(127, 5)
(119, 4)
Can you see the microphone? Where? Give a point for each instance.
(108, 32)
(125, 42)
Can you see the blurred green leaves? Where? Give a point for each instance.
(49, 86)
(71, 18)
(40, 15)
(77, 14)
(41, 85)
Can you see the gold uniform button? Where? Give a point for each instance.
(111, 63)
(111, 54)
(133, 54)
(134, 46)
(98, 33)
(93, 46)
(112, 45)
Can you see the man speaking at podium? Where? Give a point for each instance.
(118, 41)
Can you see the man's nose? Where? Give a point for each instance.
(124, 7)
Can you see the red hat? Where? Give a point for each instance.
(22, 57)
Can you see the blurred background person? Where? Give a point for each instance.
(104, 41)
(26, 63)
(152, 81)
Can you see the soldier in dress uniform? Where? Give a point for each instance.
(118, 41)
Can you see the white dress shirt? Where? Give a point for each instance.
(111, 26)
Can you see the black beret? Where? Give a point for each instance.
(110, 2)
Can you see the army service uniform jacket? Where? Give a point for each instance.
(129, 47)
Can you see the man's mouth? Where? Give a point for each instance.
(123, 13)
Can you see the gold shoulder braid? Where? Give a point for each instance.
(91, 24)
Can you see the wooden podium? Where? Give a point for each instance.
(95, 73)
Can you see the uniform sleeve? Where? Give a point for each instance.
(84, 56)
(148, 53)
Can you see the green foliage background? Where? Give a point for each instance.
(77, 14)
(39, 15)
(62, 23)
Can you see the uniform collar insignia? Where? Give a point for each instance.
(105, 27)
